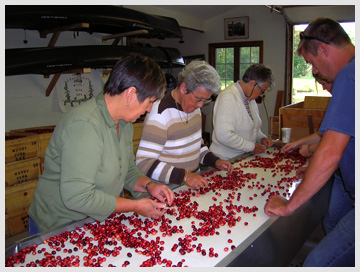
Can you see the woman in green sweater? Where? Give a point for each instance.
(90, 158)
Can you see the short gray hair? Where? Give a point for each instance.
(200, 74)
(260, 73)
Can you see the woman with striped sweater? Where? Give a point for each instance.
(171, 147)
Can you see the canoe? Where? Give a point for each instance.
(101, 18)
(52, 60)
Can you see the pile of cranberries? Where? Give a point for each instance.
(123, 235)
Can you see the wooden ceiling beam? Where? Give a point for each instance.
(44, 33)
(124, 34)
(56, 32)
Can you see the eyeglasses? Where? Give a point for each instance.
(262, 91)
(305, 37)
(201, 100)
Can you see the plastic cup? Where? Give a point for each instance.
(285, 134)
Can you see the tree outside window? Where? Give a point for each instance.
(304, 83)
(232, 59)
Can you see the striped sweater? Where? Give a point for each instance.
(168, 145)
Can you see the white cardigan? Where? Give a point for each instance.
(234, 131)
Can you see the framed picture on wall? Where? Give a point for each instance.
(188, 59)
(236, 28)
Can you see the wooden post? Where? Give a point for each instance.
(52, 84)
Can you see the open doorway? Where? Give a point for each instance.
(303, 83)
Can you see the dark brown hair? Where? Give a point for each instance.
(322, 30)
(137, 71)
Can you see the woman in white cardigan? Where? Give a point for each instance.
(236, 117)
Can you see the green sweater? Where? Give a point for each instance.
(86, 166)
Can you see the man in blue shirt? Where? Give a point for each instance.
(325, 45)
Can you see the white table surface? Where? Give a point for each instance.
(265, 178)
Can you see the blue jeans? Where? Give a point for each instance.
(337, 248)
(33, 229)
(340, 204)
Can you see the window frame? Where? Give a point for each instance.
(236, 46)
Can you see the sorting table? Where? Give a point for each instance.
(221, 225)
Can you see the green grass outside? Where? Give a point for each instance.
(306, 87)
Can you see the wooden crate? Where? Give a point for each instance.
(125, 194)
(42, 161)
(7, 227)
(19, 196)
(18, 220)
(44, 140)
(274, 127)
(44, 134)
(138, 127)
(22, 171)
(316, 102)
(296, 117)
(36, 130)
(20, 146)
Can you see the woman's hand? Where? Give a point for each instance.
(290, 147)
(258, 149)
(304, 150)
(267, 142)
(224, 165)
(161, 192)
(194, 181)
(149, 208)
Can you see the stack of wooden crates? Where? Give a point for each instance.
(24, 162)
(24, 159)
(296, 116)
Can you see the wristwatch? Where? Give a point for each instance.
(147, 186)
(185, 176)
(308, 148)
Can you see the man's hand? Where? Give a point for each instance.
(277, 205)
(300, 172)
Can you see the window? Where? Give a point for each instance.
(224, 64)
(232, 59)
(303, 83)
